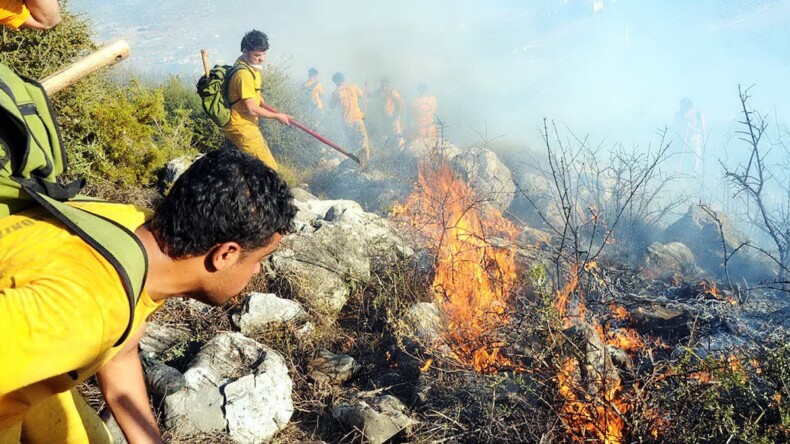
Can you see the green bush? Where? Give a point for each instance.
(138, 134)
(181, 96)
(117, 134)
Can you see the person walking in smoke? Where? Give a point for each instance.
(63, 306)
(244, 96)
(314, 91)
(422, 112)
(689, 128)
(352, 119)
(391, 110)
(36, 14)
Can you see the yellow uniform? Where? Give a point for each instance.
(13, 13)
(352, 118)
(62, 308)
(393, 106)
(423, 110)
(315, 91)
(242, 129)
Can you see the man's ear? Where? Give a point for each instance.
(223, 256)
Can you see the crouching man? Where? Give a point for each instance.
(63, 306)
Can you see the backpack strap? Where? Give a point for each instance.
(238, 66)
(113, 241)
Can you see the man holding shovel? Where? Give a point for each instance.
(244, 95)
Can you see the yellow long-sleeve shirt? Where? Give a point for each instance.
(62, 307)
(13, 13)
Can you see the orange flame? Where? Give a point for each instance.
(563, 296)
(474, 278)
(598, 417)
(709, 288)
(618, 312)
(626, 339)
(591, 419)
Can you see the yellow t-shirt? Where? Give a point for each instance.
(315, 90)
(62, 306)
(392, 102)
(244, 84)
(13, 13)
(423, 110)
(347, 96)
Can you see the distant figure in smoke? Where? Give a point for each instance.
(689, 128)
(392, 105)
(36, 14)
(351, 117)
(313, 89)
(422, 112)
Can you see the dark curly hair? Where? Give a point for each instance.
(255, 41)
(225, 196)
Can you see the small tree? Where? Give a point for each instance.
(598, 198)
(756, 180)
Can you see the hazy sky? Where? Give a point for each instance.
(617, 74)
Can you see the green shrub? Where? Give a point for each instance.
(181, 96)
(116, 134)
(138, 134)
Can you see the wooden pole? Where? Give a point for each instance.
(204, 55)
(106, 56)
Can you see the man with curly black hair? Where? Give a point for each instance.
(63, 306)
(244, 97)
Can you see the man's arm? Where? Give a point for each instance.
(253, 106)
(44, 14)
(244, 82)
(122, 383)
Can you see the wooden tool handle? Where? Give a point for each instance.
(204, 56)
(106, 56)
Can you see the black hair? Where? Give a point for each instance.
(338, 78)
(225, 196)
(255, 41)
(312, 72)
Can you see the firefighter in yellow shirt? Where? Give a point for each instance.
(63, 306)
(392, 106)
(422, 112)
(347, 96)
(244, 95)
(313, 89)
(37, 14)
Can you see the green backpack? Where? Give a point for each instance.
(32, 157)
(213, 92)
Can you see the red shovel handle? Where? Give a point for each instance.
(321, 138)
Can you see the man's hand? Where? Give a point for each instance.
(123, 385)
(283, 118)
(44, 14)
